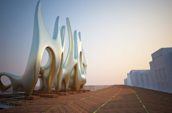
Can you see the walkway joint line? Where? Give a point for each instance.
(141, 102)
(101, 106)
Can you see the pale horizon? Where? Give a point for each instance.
(117, 36)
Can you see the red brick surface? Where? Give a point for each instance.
(115, 99)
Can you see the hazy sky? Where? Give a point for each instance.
(117, 35)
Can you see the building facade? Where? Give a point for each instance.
(139, 78)
(161, 69)
(159, 77)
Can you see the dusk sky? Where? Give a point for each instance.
(117, 35)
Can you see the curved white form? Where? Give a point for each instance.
(73, 70)
(61, 73)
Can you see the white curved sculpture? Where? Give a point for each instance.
(73, 70)
(63, 75)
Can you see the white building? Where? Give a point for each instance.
(161, 69)
(138, 78)
(159, 77)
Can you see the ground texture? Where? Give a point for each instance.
(114, 99)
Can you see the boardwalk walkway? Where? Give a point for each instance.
(114, 99)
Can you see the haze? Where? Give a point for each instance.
(117, 35)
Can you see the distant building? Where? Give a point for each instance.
(161, 69)
(139, 78)
(129, 82)
(125, 81)
(159, 77)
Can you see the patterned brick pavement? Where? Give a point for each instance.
(114, 99)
